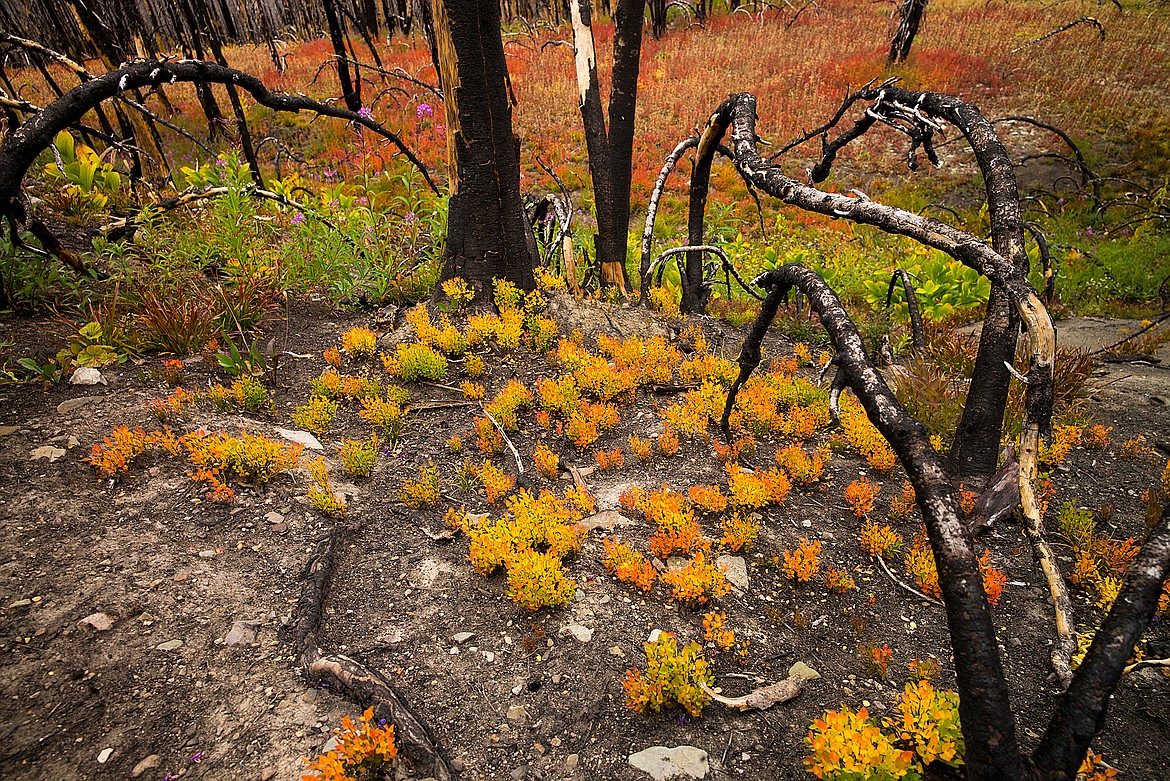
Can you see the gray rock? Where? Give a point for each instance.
(330, 744)
(170, 645)
(661, 762)
(69, 405)
(804, 671)
(102, 622)
(677, 562)
(47, 452)
(572, 761)
(274, 517)
(242, 633)
(300, 437)
(462, 637)
(268, 773)
(654, 635)
(519, 773)
(517, 713)
(20, 603)
(148, 763)
(606, 520)
(582, 633)
(737, 574)
(84, 375)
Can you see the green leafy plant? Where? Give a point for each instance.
(673, 675)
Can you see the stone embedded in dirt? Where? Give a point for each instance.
(242, 633)
(102, 622)
(6, 430)
(572, 761)
(274, 518)
(488, 655)
(519, 773)
(661, 762)
(517, 713)
(170, 645)
(737, 574)
(804, 671)
(331, 744)
(47, 452)
(20, 603)
(462, 637)
(268, 773)
(148, 763)
(300, 437)
(84, 375)
(654, 635)
(69, 405)
(677, 562)
(582, 633)
(105, 755)
(606, 520)
(207, 554)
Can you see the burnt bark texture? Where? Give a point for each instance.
(487, 233)
(916, 114)
(610, 151)
(992, 751)
(350, 87)
(909, 19)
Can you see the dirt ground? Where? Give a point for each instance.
(163, 691)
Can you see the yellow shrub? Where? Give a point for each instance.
(496, 484)
(739, 531)
(928, 720)
(546, 462)
(880, 540)
(848, 746)
(317, 416)
(385, 415)
(321, 494)
(359, 343)
(708, 498)
(672, 675)
(424, 492)
(537, 580)
(416, 361)
(358, 456)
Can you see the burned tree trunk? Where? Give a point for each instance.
(610, 153)
(487, 233)
(909, 18)
(350, 88)
(988, 725)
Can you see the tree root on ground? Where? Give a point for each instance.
(351, 678)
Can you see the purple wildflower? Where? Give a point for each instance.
(219, 161)
(424, 110)
(440, 128)
(298, 219)
(365, 113)
(197, 757)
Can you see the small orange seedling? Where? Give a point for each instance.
(715, 631)
(628, 565)
(359, 343)
(546, 462)
(860, 495)
(803, 564)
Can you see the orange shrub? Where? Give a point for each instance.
(698, 582)
(921, 566)
(640, 447)
(993, 579)
(802, 564)
(546, 462)
(860, 494)
(838, 581)
(708, 498)
(901, 506)
(880, 540)
(715, 632)
(628, 565)
(739, 532)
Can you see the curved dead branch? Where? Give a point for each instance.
(20, 149)
(349, 677)
(1089, 21)
(1082, 708)
(985, 710)
(725, 264)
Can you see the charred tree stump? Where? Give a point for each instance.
(909, 18)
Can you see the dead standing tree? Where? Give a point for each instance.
(487, 233)
(909, 19)
(985, 705)
(610, 152)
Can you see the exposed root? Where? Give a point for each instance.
(350, 678)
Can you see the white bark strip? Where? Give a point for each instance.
(586, 59)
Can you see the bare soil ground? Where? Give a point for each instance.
(175, 572)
